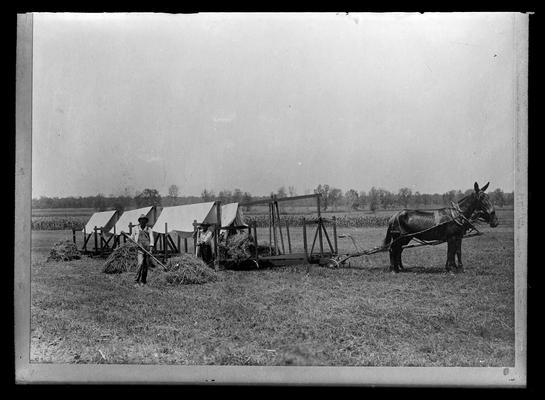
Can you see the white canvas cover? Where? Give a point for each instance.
(104, 220)
(180, 219)
(231, 214)
(131, 216)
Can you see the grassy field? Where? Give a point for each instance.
(359, 315)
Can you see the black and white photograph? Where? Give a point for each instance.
(327, 198)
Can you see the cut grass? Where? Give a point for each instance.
(357, 315)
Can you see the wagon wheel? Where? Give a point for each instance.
(333, 263)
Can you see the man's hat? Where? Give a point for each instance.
(143, 217)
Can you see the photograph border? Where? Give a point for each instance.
(27, 372)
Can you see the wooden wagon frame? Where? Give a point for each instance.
(320, 250)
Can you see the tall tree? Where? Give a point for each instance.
(173, 191)
(324, 191)
(207, 195)
(225, 196)
(404, 196)
(281, 192)
(449, 196)
(362, 199)
(291, 190)
(498, 197)
(237, 195)
(374, 199)
(99, 202)
(334, 197)
(148, 197)
(352, 199)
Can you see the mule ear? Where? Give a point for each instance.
(485, 187)
(476, 186)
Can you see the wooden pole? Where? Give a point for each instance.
(216, 236)
(274, 229)
(270, 230)
(255, 241)
(96, 240)
(86, 238)
(320, 227)
(115, 238)
(327, 238)
(179, 244)
(165, 243)
(195, 233)
(288, 234)
(335, 234)
(185, 244)
(280, 228)
(305, 245)
(314, 240)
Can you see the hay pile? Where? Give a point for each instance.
(122, 259)
(240, 247)
(187, 269)
(64, 251)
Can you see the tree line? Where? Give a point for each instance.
(332, 198)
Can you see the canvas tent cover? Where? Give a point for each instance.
(131, 216)
(231, 214)
(104, 220)
(179, 219)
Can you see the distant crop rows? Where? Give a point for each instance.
(78, 222)
(346, 221)
(56, 223)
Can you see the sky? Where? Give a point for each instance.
(123, 102)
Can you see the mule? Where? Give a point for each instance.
(445, 224)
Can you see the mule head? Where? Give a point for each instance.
(484, 206)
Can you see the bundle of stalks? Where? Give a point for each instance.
(241, 247)
(187, 269)
(64, 251)
(122, 259)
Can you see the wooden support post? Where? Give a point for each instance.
(216, 236)
(270, 230)
(165, 244)
(320, 227)
(185, 244)
(327, 238)
(74, 235)
(86, 238)
(115, 238)
(96, 239)
(195, 233)
(305, 246)
(335, 235)
(255, 242)
(288, 234)
(314, 240)
(179, 244)
(171, 244)
(280, 228)
(274, 229)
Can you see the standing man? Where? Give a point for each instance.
(204, 243)
(143, 235)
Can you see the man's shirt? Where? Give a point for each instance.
(139, 231)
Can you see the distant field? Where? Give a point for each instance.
(68, 218)
(63, 212)
(359, 315)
